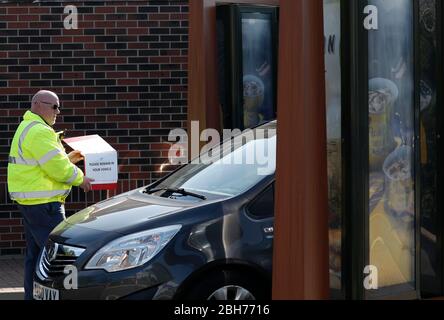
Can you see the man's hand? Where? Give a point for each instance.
(75, 156)
(86, 184)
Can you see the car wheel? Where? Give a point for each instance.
(228, 285)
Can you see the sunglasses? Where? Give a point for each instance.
(54, 106)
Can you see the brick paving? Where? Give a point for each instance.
(11, 277)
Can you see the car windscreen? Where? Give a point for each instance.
(230, 168)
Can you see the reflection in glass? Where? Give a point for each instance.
(391, 154)
(428, 54)
(332, 33)
(222, 77)
(258, 73)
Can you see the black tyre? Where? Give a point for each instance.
(228, 285)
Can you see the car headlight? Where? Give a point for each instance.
(133, 250)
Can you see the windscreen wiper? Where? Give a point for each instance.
(177, 190)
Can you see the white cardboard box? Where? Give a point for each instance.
(100, 160)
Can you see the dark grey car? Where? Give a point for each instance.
(203, 232)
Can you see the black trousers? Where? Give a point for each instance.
(39, 220)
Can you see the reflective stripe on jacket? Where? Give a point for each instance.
(39, 170)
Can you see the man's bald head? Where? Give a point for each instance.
(43, 103)
(45, 96)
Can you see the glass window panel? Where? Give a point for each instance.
(428, 83)
(332, 33)
(391, 154)
(222, 77)
(258, 69)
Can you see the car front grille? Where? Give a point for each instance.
(55, 257)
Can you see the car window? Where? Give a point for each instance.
(263, 205)
(236, 168)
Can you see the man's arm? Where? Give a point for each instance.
(52, 159)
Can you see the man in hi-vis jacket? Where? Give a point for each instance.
(40, 176)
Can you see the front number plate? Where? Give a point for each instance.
(44, 293)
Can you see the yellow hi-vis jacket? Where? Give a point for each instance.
(39, 170)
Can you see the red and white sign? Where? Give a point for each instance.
(100, 160)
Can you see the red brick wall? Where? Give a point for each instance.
(121, 74)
